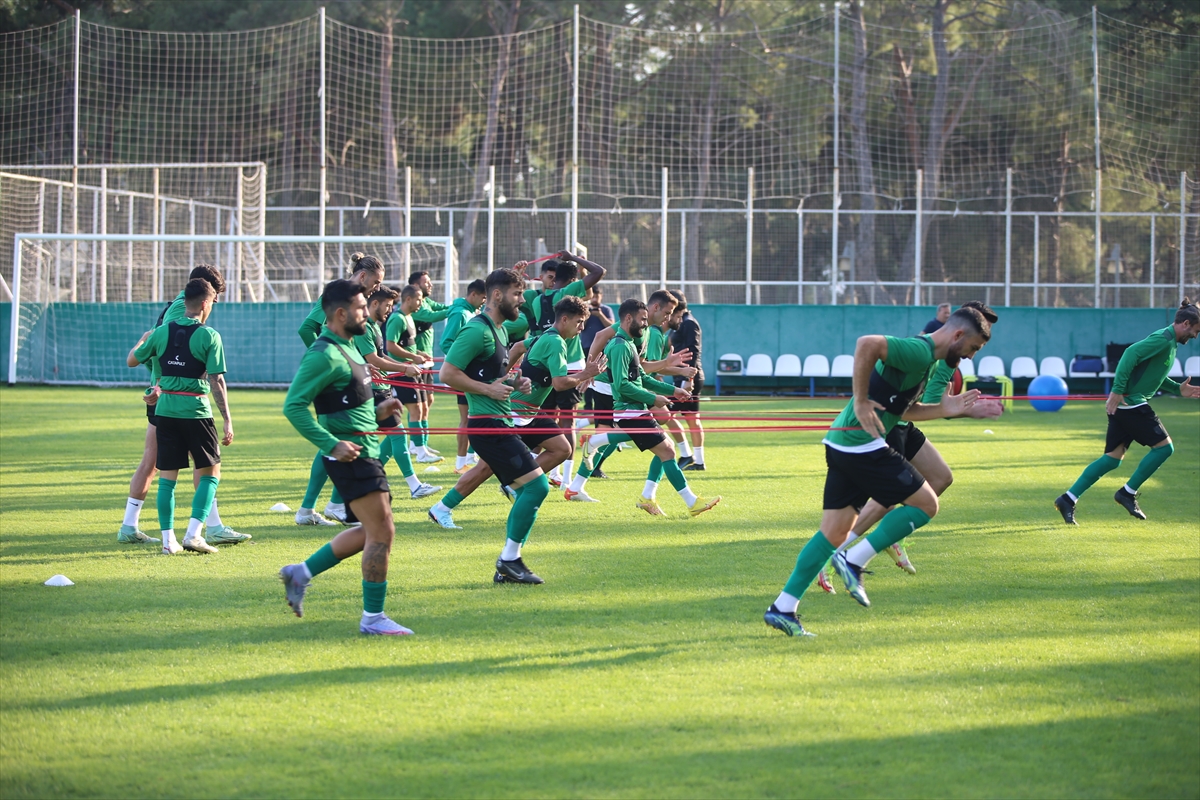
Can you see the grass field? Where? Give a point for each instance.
(1024, 658)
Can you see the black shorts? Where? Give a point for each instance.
(408, 393)
(906, 439)
(882, 475)
(357, 478)
(602, 405)
(177, 438)
(566, 399)
(533, 440)
(644, 431)
(1129, 425)
(426, 394)
(150, 417)
(462, 399)
(504, 453)
(689, 406)
(392, 421)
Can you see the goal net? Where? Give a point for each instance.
(54, 339)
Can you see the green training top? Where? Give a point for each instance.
(460, 314)
(1143, 368)
(631, 393)
(605, 377)
(322, 366)
(907, 366)
(431, 311)
(548, 351)
(572, 289)
(310, 328)
(398, 324)
(370, 343)
(943, 373)
(656, 344)
(205, 346)
(476, 340)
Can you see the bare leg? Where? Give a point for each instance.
(143, 476)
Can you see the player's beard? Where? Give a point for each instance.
(636, 330)
(509, 310)
(955, 355)
(356, 328)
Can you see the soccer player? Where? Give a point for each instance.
(400, 339)
(1141, 372)
(545, 365)
(336, 381)
(215, 531)
(635, 394)
(685, 338)
(188, 351)
(430, 312)
(601, 317)
(371, 347)
(461, 311)
(478, 366)
(367, 273)
(889, 374)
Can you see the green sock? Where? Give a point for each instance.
(895, 525)
(525, 508)
(810, 561)
(316, 482)
(202, 500)
(452, 498)
(470, 450)
(415, 425)
(166, 504)
(385, 451)
(1094, 472)
(399, 447)
(1150, 462)
(373, 596)
(674, 474)
(322, 560)
(597, 460)
(655, 472)
(425, 432)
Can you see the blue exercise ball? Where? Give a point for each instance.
(1046, 386)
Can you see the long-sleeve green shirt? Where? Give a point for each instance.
(431, 311)
(460, 314)
(1143, 368)
(310, 329)
(635, 394)
(324, 365)
(935, 389)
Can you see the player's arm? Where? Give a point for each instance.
(867, 351)
(630, 391)
(221, 400)
(315, 373)
(1135, 354)
(562, 381)
(601, 341)
(431, 311)
(593, 272)
(674, 364)
(388, 365)
(516, 353)
(463, 353)
(454, 324)
(310, 328)
(952, 405)
(142, 352)
(656, 386)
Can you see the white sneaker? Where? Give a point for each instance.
(198, 545)
(472, 458)
(172, 548)
(579, 497)
(382, 626)
(412, 449)
(431, 450)
(444, 519)
(424, 490)
(336, 511)
(429, 458)
(312, 518)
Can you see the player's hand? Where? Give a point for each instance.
(958, 405)
(689, 372)
(678, 358)
(411, 371)
(152, 394)
(986, 409)
(521, 266)
(660, 401)
(1186, 389)
(388, 408)
(377, 373)
(498, 390)
(682, 394)
(565, 255)
(522, 384)
(227, 437)
(865, 410)
(1114, 400)
(594, 368)
(345, 451)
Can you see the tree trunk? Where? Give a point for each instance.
(391, 149)
(708, 118)
(864, 246)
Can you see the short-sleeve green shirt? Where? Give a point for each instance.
(370, 343)
(909, 363)
(205, 345)
(656, 344)
(549, 352)
(572, 289)
(325, 365)
(476, 340)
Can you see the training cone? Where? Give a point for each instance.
(60, 580)
(279, 507)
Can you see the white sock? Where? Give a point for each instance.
(1074, 499)
(698, 454)
(786, 603)
(685, 449)
(861, 554)
(168, 536)
(304, 511)
(850, 537)
(568, 467)
(650, 491)
(582, 422)
(1131, 491)
(214, 516)
(578, 483)
(193, 529)
(307, 571)
(556, 472)
(688, 496)
(598, 440)
(332, 506)
(413, 482)
(439, 508)
(460, 462)
(512, 550)
(371, 617)
(133, 510)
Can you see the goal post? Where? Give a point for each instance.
(46, 341)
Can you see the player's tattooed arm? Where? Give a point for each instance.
(221, 400)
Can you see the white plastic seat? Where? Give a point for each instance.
(843, 367)
(787, 366)
(1192, 367)
(1024, 367)
(816, 366)
(760, 366)
(730, 364)
(1176, 372)
(1053, 365)
(967, 368)
(991, 367)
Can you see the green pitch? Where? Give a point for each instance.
(1024, 658)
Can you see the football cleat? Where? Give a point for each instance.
(463, 470)
(295, 584)
(824, 582)
(599, 474)
(579, 497)
(701, 505)
(1129, 503)
(430, 458)
(312, 518)
(789, 623)
(131, 535)
(198, 545)
(224, 534)
(899, 555)
(172, 548)
(382, 626)
(693, 467)
(514, 571)
(336, 511)
(686, 461)
(651, 507)
(444, 519)
(1066, 508)
(424, 490)
(555, 480)
(509, 494)
(851, 575)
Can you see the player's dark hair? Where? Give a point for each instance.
(630, 306)
(565, 272)
(361, 262)
(1188, 312)
(411, 291)
(661, 298)
(502, 279)
(550, 266)
(338, 294)
(680, 299)
(476, 286)
(196, 292)
(570, 307)
(383, 293)
(971, 319)
(983, 308)
(208, 272)
(416, 276)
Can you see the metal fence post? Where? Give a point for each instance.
(324, 167)
(662, 245)
(1037, 226)
(155, 275)
(682, 250)
(1098, 248)
(129, 251)
(74, 166)
(1096, 142)
(491, 248)
(1182, 231)
(917, 238)
(239, 260)
(406, 249)
(574, 232)
(800, 254)
(749, 231)
(833, 254)
(1153, 250)
(1008, 237)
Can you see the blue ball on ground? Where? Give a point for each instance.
(1044, 387)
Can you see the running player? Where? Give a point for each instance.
(478, 366)
(336, 381)
(371, 347)
(367, 272)
(461, 311)
(889, 374)
(545, 365)
(215, 531)
(430, 312)
(188, 352)
(686, 338)
(1141, 372)
(400, 338)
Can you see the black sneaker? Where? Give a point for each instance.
(1129, 503)
(685, 461)
(783, 621)
(599, 474)
(1066, 508)
(514, 571)
(693, 467)
(851, 575)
